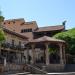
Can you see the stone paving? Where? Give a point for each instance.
(14, 73)
(63, 73)
(27, 73)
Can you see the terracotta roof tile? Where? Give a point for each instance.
(14, 33)
(45, 39)
(50, 28)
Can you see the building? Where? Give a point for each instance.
(13, 47)
(48, 31)
(18, 34)
(31, 29)
(21, 27)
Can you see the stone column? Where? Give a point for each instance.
(33, 54)
(19, 57)
(5, 62)
(64, 54)
(47, 54)
(27, 57)
(61, 53)
(22, 57)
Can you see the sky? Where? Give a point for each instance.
(44, 12)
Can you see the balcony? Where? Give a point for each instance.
(8, 46)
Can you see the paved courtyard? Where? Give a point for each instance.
(26, 73)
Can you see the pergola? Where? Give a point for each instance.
(46, 41)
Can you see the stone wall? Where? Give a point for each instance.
(60, 68)
(69, 68)
(13, 67)
(55, 68)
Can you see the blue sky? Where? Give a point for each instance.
(45, 12)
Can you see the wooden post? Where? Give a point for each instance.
(47, 54)
(61, 56)
(33, 54)
(5, 62)
(27, 54)
(64, 54)
(22, 57)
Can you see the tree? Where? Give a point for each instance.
(1, 19)
(2, 36)
(69, 37)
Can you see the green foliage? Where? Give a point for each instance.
(1, 18)
(69, 37)
(52, 50)
(2, 36)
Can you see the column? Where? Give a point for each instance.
(0, 48)
(5, 62)
(33, 54)
(44, 55)
(27, 57)
(64, 54)
(47, 54)
(61, 53)
(21, 57)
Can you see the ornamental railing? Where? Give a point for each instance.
(12, 46)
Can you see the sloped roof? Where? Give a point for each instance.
(14, 33)
(45, 39)
(50, 28)
(19, 19)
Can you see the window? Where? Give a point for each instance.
(8, 22)
(26, 30)
(4, 23)
(30, 30)
(22, 23)
(21, 31)
(13, 42)
(19, 43)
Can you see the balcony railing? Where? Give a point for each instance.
(13, 47)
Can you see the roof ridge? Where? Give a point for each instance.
(14, 19)
(50, 26)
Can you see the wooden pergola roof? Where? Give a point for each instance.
(46, 39)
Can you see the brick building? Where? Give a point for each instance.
(13, 47)
(31, 29)
(18, 32)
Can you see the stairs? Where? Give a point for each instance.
(33, 69)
